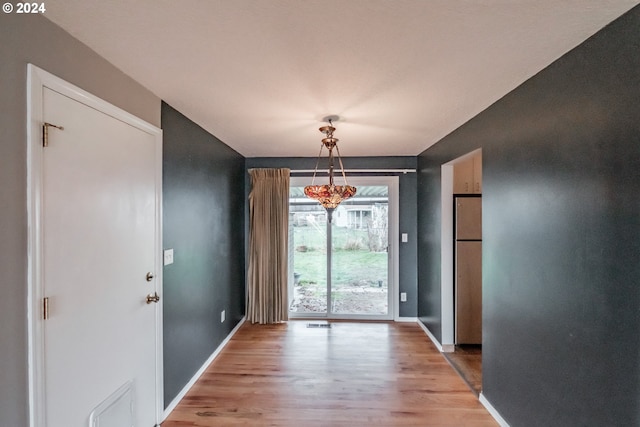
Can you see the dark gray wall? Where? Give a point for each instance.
(24, 39)
(561, 218)
(407, 200)
(203, 202)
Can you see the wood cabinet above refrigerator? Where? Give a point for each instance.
(467, 175)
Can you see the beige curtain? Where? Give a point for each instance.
(268, 246)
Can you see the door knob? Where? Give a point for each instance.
(153, 298)
(149, 276)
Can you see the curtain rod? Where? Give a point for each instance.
(357, 170)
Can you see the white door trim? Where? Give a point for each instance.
(446, 259)
(37, 79)
(393, 236)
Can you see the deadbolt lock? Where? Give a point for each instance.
(149, 277)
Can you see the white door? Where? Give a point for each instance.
(99, 245)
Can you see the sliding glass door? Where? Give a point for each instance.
(343, 269)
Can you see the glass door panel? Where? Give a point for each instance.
(359, 254)
(307, 255)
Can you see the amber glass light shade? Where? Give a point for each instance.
(329, 196)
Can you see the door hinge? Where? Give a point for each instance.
(45, 308)
(45, 133)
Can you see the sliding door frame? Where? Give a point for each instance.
(392, 183)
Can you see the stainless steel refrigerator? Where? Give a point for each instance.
(468, 269)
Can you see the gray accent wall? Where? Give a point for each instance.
(561, 237)
(34, 39)
(407, 218)
(204, 223)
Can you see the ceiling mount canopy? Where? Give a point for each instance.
(329, 195)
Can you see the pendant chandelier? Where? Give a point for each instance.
(329, 195)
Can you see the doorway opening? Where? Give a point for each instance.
(345, 269)
(461, 266)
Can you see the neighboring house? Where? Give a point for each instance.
(561, 178)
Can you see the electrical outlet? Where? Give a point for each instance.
(403, 297)
(405, 237)
(222, 316)
(168, 256)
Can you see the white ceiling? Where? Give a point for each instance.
(261, 74)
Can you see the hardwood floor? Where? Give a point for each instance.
(352, 374)
(467, 361)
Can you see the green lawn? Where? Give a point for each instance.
(353, 263)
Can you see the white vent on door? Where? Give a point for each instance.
(116, 410)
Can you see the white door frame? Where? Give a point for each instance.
(37, 79)
(393, 236)
(446, 258)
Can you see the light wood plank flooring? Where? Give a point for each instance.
(467, 361)
(353, 374)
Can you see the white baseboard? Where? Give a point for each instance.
(494, 413)
(197, 375)
(406, 319)
(446, 348)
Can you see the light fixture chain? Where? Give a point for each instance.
(313, 180)
(341, 166)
